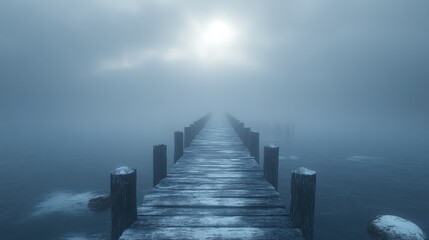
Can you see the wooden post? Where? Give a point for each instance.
(271, 164)
(159, 163)
(246, 137)
(188, 136)
(254, 145)
(178, 145)
(124, 202)
(193, 130)
(240, 130)
(303, 197)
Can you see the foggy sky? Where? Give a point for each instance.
(127, 61)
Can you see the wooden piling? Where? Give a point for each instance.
(178, 145)
(303, 197)
(124, 202)
(159, 163)
(246, 137)
(254, 145)
(193, 131)
(239, 129)
(271, 164)
(188, 136)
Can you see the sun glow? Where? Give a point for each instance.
(218, 33)
(216, 41)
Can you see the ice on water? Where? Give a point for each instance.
(70, 203)
(397, 228)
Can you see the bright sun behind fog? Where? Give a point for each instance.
(212, 42)
(218, 33)
(216, 41)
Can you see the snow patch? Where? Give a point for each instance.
(304, 171)
(123, 170)
(271, 146)
(393, 227)
(63, 202)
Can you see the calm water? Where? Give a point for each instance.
(46, 181)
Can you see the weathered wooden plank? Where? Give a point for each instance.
(216, 175)
(177, 211)
(202, 163)
(246, 186)
(227, 167)
(208, 233)
(254, 193)
(190, 201)
(214, 221)
(205, 180)
(215, 158)
(202, 170)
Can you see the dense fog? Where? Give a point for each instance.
(100, 64)
(90, 85)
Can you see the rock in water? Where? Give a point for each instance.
(100, 203)
(388, 227)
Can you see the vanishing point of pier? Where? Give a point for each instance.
(215, 190)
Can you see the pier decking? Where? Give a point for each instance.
(216, 190)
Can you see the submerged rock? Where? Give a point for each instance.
(388, 227)
(100, 203)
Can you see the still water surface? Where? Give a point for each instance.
(46, 181)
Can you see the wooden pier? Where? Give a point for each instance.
(215, 190)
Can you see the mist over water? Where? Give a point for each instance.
(49, 182)
(88, 86)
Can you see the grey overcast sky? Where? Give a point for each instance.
(90, 61)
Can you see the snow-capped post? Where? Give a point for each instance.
(271, 164)
(246, 137)
(303, 197)
(124, 202)
(188, 136)
(254, 145)
(159, 163)
(178, 145)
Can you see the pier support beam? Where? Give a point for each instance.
(178, 145)
(124, 202)
(271, 164)
(159, 163)
(254, 145)
(303, 197)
